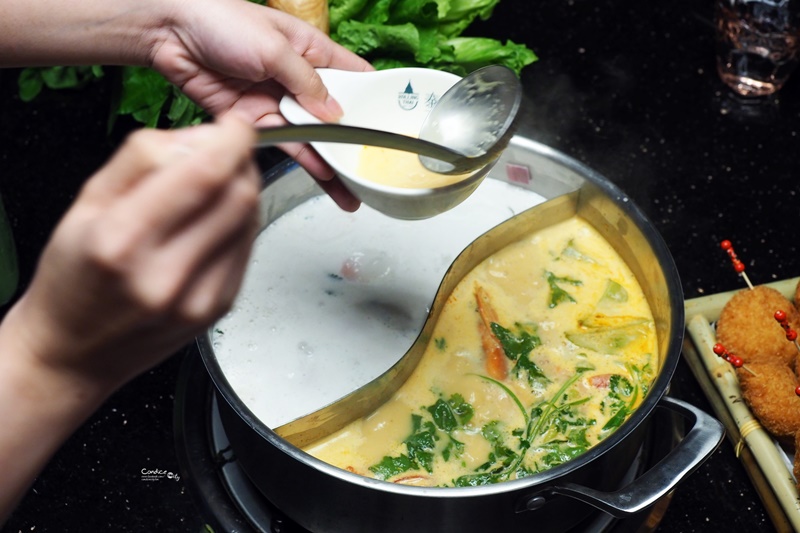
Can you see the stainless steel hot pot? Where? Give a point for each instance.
(326, 499)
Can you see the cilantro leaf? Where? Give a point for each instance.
(420, 446)
(443, 416)
(557, 294)
(622, 395)
(501, 455)
(517, 347)
(422, 442)
(451, 414)
(454, 447)
(501, 462)
(392, 466)
(534, 373)
(476, 480)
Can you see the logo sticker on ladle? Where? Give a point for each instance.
(408, 99)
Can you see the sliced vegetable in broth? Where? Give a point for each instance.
(540, 352)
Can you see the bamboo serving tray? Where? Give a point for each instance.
(767, 463)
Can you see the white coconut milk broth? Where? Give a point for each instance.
(331, 299)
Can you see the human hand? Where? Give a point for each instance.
(237, 56)
(152, 251)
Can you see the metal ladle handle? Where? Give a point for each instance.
(337, 133)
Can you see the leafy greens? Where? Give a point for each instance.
(388, 33)
(422, 33)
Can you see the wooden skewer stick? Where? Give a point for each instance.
(783, 320)
(738, 266)
(733, 359)
(791, 335)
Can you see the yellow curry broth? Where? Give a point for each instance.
(577, 346)
(406, 170)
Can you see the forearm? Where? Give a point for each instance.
(39, 409)
(79, 32)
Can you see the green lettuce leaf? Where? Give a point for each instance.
(475, 52)
(422, 33)
(341, 10)
(364, 39)
(461, 13)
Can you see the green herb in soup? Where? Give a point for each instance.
(541, 352)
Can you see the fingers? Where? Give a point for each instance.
(312, 49)
(339, 194)
(185, 178)
(217, 281)
(199, 263)
(316, 47)
(132, 163)
(300, 79)
(193, 205)
(149, 149)
(324, 175)
(317, 167)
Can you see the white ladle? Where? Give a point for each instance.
(469, 124)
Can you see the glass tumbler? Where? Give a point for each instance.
(757, 44)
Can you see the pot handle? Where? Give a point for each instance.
(698, 444)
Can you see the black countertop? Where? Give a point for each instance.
(627, 87)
